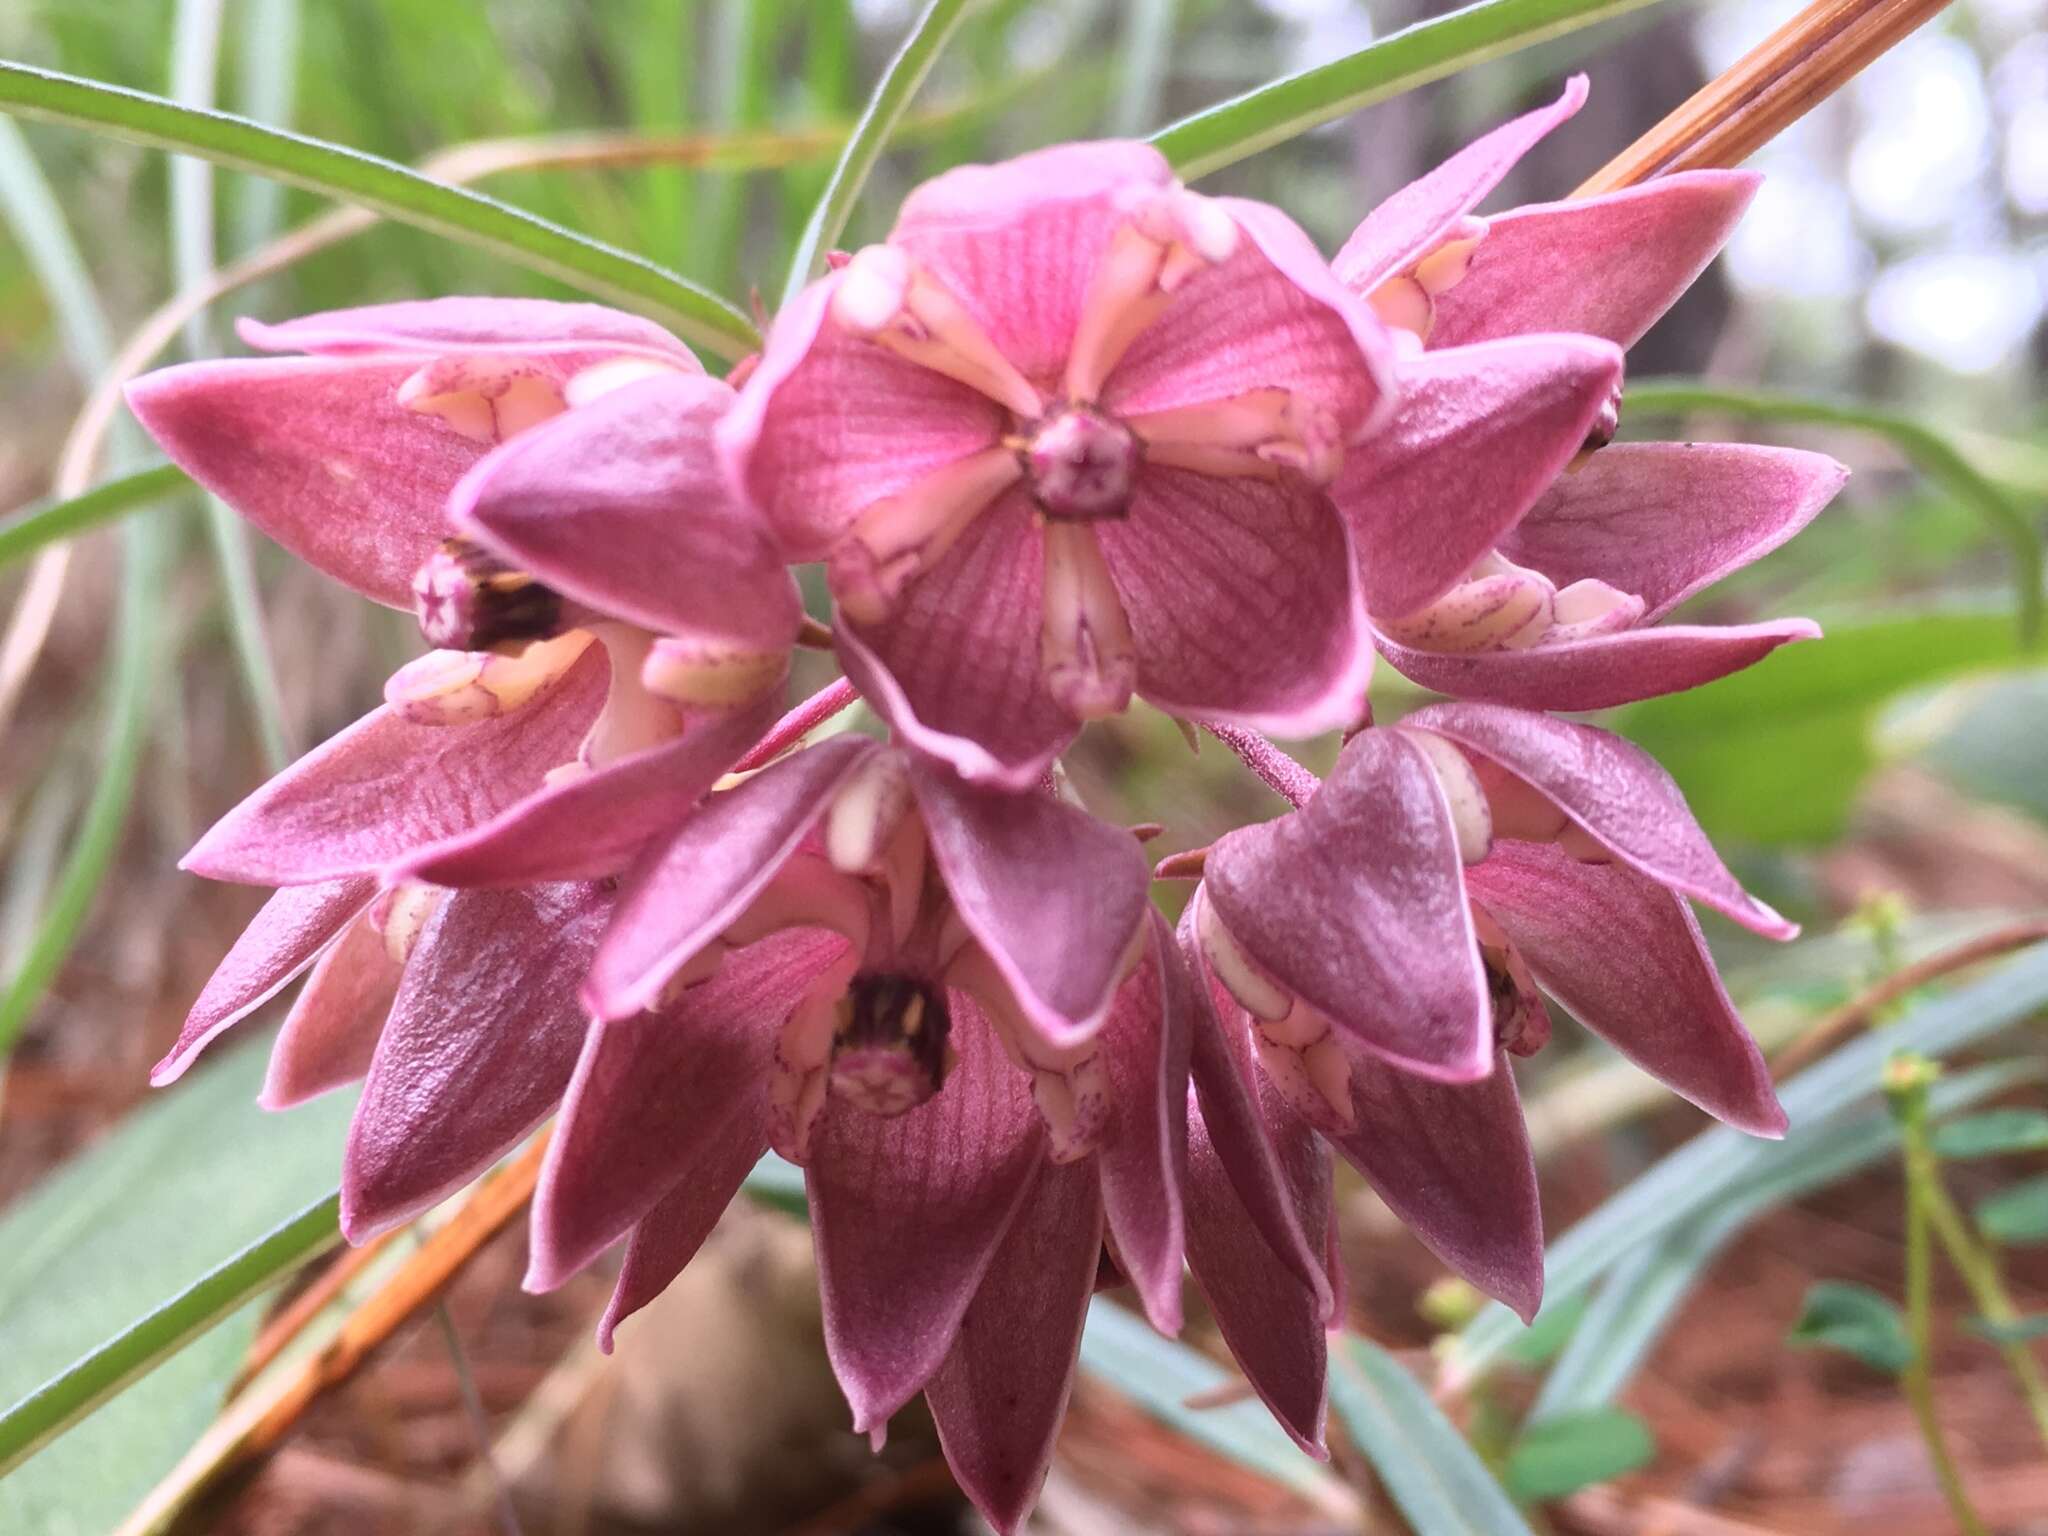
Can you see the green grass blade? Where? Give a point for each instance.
(1929, 450)
(347, 175)
(892, 96)
(268, 48)
(51, 522)
(1142, 66)
(1233, 130)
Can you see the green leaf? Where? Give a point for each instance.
(390, 189)
(1994, 1133)
(1856, 1321)
(1436, 1479)
(50, 522)
(122, 1258)
(1562, 1455)
(2017, 1216)
(892, 96)
(2017, 1330)
(1775, 753)
(1233, 130)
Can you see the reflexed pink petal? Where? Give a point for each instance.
(1356, 904)
(1612, 788)
(1000, 1394)
(1452, 1161)
(1055, 896)
(683, 895)
(956, 670)
(1607, 265)
(1663, 520)
(435, 327)
(668, 1236)
(319, 455)
(907, 1214)
(1274, 1324)
(1603, 670)
(659, 1096)
(829, 424)
(478, 1049)
(331, 1033)
(1626, 957)
(281, 941)
(1144, 1164)
(1480, 434)
(367, 799)
(1018, 243)
(593, 825)
(621, 504)
(1243, 601)
(1272, 316)
(1405, 226)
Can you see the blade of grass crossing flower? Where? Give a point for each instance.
(1716, 1163)
(1928, 449)
(745, 37)
(268, 51)
(1287, 108)
(47, 522)
(1437, 1480)
(1141, 71)
(348, 175)
(892, 96)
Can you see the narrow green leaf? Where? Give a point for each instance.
(892, 96)
(1435, 1478)
(268, 48)
(2018, 1330)
(1141, 73)
(51, 522)
(1225, 134)
(1562, 1455)
(1856, 1321)
(391, 189)
(1994, 1133)
(2017, 1216)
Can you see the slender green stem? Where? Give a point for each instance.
(892, 96)
(391, 189)
(1930, 451)
(51, 522)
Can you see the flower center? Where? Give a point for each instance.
(889, 1043)
(467, 599)
(1081, 464)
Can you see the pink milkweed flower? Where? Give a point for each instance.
(1371, 958)
(1545, 589)
(1064, 437)
(953, 1006)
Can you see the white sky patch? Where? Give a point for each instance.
(1967, 310)
(1927, 137)
(1799, 239)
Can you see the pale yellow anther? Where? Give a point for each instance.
(710, 675)
(486, 399)
(865, 813)
(883, 295)
(1085, 643)
(458, 687)
(904, 535)
(600, 379)
(1471, 818)
(1500, 606)
(1407, 300)
(1259, 994)
(1404, 305)
(1589, 607)
(1075, 1103)
(1172, 235)
(1258, 433)
(400, 915)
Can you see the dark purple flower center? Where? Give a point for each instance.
(467, 599)
(1082, 464)
(889, 1053)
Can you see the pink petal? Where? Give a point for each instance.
(683, 895)
(1603, 670)
(669, 1236)
(1612, 788)
(1403, 228)
(1144, 1164)
(829, 424)
(1272, 316)
(1626, 957)
(659, 1096)
(331, 1033)
(1054, 896)
(1356, 904)
(621, 504)
(1607, 266)
(1663, 520)
(1452, 1161)
(436, 327)
(1480, 434)
(1002, 1390)
(1244, 602)
(592, 826)
(318, 454)
(956, 670)
(908, 1213)
(280, 942)
(1018, 243)
(367, 799)
(479, 1047)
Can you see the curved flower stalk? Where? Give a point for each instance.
(954, 1007)
(1371, 959)
(1065, 437)
(1546, 589)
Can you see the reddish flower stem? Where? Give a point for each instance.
(792, 727)
(1279, 772)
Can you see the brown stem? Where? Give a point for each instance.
(291, 1320)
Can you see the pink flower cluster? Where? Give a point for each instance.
(1072, 434)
